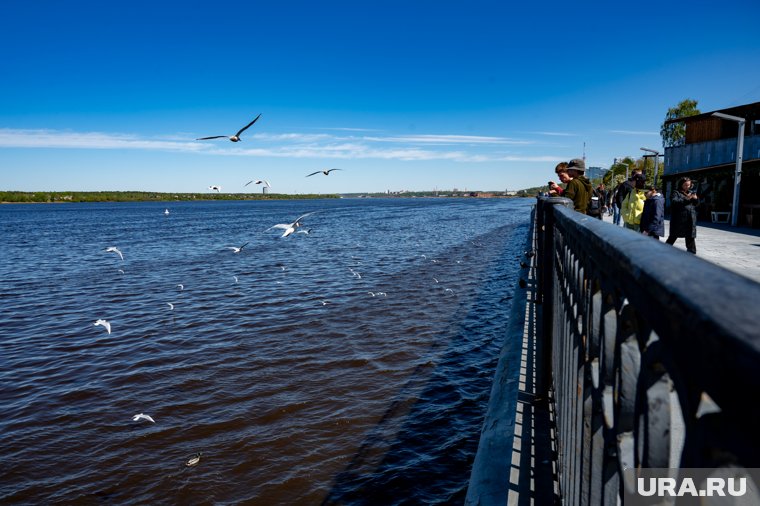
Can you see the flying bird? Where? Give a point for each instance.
(215, 187)
(141, 416)
(325, 172)
(114, 249)
(171, 306)
(237, 250)
(291, 227)
(259, 181)
(234, 138)
(194, 461)
(166, 211)
(103, 323)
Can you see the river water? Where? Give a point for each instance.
(349, 365)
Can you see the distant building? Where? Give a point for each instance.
(595, 172)
(708, 156)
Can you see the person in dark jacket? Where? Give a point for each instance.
(683, 214)
(653, 216)
(579, 189)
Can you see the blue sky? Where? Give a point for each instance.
(400, 95)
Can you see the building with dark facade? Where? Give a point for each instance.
(708, 157)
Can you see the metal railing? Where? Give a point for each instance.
(639, 339)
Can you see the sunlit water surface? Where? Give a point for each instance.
(294, 381)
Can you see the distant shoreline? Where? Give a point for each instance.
(13, 197)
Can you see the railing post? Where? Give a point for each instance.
(545, 287)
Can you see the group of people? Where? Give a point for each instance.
(641, 208)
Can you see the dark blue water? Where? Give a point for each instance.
(278, 364)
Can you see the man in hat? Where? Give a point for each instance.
(579, 188)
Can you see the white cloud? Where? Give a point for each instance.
(10, 138)
(633, 132)
(421, 147)
(555, 134)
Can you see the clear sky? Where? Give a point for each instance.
(410, 94)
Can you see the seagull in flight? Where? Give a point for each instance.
(325, 172)
(291, 227)
(234, 138)
(259, 181)
(181, 286)
(171, 306)
(215, 187)
(237, 250)
(114, 249)
(103, 323)
(141, 416)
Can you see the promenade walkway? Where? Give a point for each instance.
(733, 248)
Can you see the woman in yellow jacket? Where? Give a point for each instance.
(633, 205)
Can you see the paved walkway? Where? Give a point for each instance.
(734, 248)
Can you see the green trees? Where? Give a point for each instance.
(674, 134)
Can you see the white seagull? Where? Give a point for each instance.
(291, 227)
(104, 323)
(259, 181)
(141, 416)
(166, 211)
(215, 187)
(325, 172)
(114, 249)
(234, 138)
(171, 306)
(194, 461)
(181, 286)
(237, 250)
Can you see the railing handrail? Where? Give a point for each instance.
(632, 320)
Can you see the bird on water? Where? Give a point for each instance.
(234, 138)
(194, 461)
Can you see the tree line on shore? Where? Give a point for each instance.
(135, 196)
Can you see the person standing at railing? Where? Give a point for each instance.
(579, 188)
(653, 216)
(633, 205)
(683, 214)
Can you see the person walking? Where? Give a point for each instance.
(621, 192)
(653, 215)
(683, 214)
(633, 205)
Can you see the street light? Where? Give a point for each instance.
(739, 152)
(656, 155)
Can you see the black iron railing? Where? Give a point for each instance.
(651, 355)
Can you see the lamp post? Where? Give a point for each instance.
(739, 153)
(656, 155)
